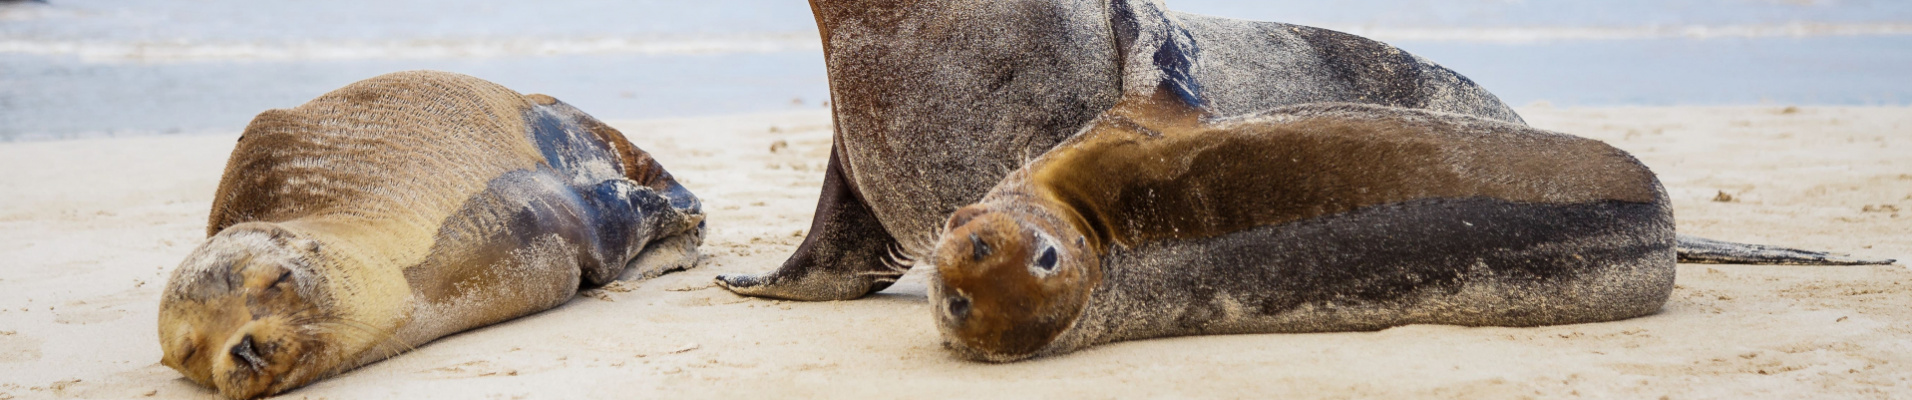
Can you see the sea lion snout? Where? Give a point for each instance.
(1006, 287)
(264, 356)
(243, 313)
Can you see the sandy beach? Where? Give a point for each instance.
(90, 230)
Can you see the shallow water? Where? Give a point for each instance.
(80, 68)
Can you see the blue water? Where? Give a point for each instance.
(1557, 13)
(86, 68)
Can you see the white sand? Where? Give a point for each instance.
(90, 229)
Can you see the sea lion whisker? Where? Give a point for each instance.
(300, 314)
(366, 328)
(376, 338)
(365, 333)
(896, 260)
(343, 330)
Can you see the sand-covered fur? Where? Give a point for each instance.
(400, 209)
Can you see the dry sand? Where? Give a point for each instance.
(90, 229)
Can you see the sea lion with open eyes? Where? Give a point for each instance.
(1158, 221)
(1161, 220)
(935, 101)
(404, 208)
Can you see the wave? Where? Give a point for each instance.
(1522, 35)
(186, 51)
(189, 51)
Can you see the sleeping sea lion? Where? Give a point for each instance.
(404, 208)
(1159, 221)
(935, 101)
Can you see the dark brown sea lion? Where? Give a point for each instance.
(404, 208)
(935, 101)
(1159, 221)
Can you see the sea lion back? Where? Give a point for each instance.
(381, 157)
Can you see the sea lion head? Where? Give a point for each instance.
(1011, 281)
(247, 313)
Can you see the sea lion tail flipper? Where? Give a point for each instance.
(670, 254)
(847, 254)
(637, 226)
(1699, 250)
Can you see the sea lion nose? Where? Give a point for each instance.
(247, 353)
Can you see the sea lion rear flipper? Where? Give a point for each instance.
(675, 253)
(638, 226)
(1699, 250)
(847, 254)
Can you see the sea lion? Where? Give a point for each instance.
(1158, 220)
(1161, 219)
(935, 101)
(404, 208)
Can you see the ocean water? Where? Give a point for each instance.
(92, 68)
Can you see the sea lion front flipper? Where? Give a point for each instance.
(1699, 250)
(847, 254)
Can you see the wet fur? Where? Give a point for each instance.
(408, 206)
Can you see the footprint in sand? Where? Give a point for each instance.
(469, 369)
(706, 298)
(99, 309)
(16, 347)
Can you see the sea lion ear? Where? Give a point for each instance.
(308, 245)
(286, 238)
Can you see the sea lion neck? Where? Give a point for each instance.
(376, 282)
(324, 231)
(830, 14)
(1161, 110)
(1055, 179)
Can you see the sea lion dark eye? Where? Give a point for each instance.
(1048, 259)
